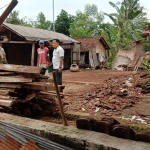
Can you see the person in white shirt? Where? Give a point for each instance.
(57, 60)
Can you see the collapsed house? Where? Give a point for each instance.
(20, 44)
(93, 50)
(130, 59)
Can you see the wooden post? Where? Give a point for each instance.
(32, 55)
(8, 11)
(59, 100)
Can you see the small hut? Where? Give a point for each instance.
(93, 51)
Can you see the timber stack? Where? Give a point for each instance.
(25, 91)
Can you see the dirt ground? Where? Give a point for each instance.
(84, 81)
(87, 80)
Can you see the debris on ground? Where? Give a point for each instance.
(115, 94)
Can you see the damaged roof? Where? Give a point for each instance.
(34, 34)
(88, 42)
(147, 30)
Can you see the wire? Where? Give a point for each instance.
(4, 6)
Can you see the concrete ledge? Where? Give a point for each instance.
(72, 136)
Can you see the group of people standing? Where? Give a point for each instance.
(43, 58)
(57, 59)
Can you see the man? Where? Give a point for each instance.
(57, 60)
(42, 51)
(3, 59)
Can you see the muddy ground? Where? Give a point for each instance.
(82, 82)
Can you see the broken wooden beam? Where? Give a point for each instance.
(20, 68)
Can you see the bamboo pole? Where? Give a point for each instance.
(59, 100)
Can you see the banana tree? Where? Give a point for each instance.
(128, 20)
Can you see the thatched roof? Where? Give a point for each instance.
(88, 42)
(34, 34)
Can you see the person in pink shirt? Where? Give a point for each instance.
(43, 53)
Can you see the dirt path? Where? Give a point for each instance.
(87, 80)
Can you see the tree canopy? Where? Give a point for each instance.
(63, 22)
(87, 23)
(127, 23)
(42, 23)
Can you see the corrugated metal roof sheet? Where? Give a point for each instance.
(34, 34)
(13, 137)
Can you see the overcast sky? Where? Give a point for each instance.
(31, 8)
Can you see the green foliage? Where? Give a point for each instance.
(88, 23)
(13, 18)
(146, 45)
(63, 22)
(146, 64)
(110, 61)
(128, 23)
(42, 23)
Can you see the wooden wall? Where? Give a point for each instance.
(19, 54)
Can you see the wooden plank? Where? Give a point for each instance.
(6, 89)
(4, 97)
(50, 97)
(53, 93)
(7, 73)
(30, 96)
(20, 68)
(10, 85)
(8, 97)
(39, 86)
(14, 79)
(4, 92)
(59, 100)
(6, 103)
(50, 93)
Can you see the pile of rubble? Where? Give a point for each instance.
(116, 93)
